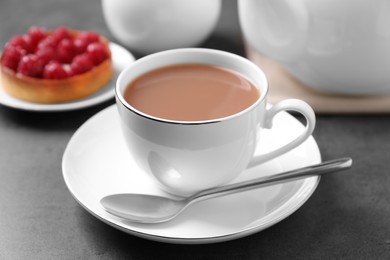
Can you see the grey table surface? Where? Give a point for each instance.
(347, 217)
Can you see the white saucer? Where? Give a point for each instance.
(121, 58)
(96, 163)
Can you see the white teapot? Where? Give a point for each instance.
(339, 46)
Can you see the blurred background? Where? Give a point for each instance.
(89, 16)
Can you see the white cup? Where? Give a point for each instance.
(332, 46)
(185, 157)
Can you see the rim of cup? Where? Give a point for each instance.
(236, 63)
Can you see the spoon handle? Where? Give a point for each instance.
(318, 169)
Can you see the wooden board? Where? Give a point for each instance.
(283, 86)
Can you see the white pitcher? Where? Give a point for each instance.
(339, 46)
(147, 26)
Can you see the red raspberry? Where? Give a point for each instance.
(54, 70)
(46, 55)
(61, 33)
(83, 39)
(31, 66)
(89, 37)
(11, 56)
(30, 47)
(81, 64)
(97, 53)
(80, 45)
(19, 41)
(46, 43)
(68, 69)
(66, 50)
(36, 34)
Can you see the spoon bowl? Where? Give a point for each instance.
(144, 208)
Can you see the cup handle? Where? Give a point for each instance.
(290, 105)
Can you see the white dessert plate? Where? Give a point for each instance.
(96, 163)
(121, 58)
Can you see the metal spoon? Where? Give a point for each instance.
(144, 208)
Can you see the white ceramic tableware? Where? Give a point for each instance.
(96, 163)
(186, 157)
(332, 46)
(147, 26)
(146, 208)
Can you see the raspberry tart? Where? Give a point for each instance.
(56, 66)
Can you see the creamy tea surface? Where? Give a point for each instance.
(191, 92)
